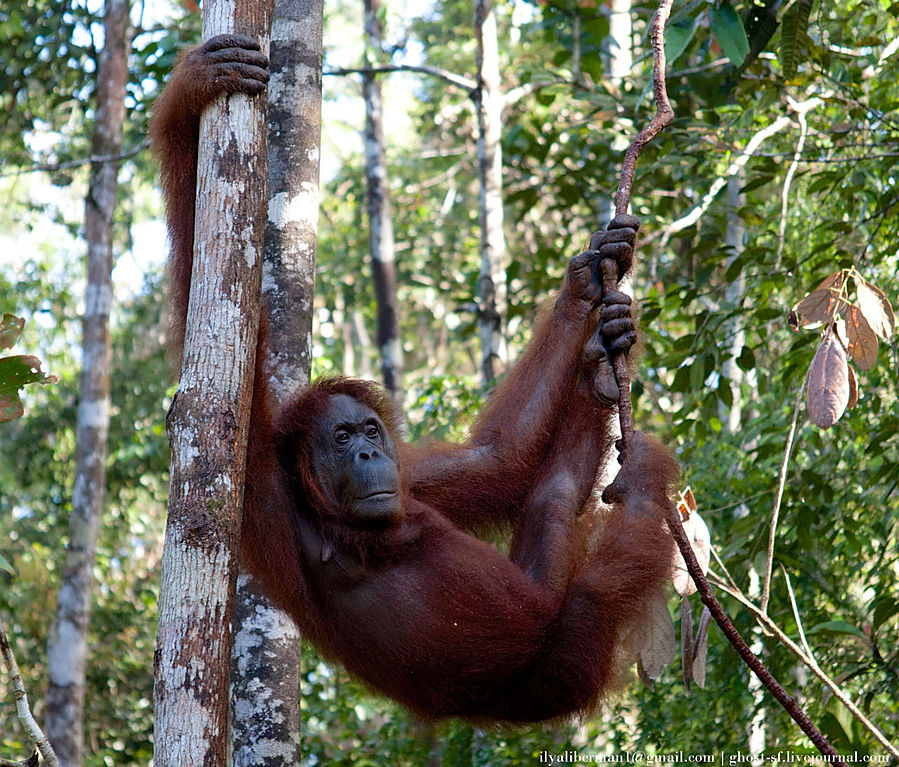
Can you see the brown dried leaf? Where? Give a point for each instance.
(828, 383)
(10, 407)
(862, 343)
(700, 539)
(833, 282)
(876, 307)
(853, 389)
(659, 648)
(701, 648)
(10, 330)
(819, 307)
(686, 640)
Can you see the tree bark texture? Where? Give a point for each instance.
(67, 641)
(380, 219)
(209, 418)
(266, 672)
(294, 149)
(488, 102)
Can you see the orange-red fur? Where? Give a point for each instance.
(421, 609)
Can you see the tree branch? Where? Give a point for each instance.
(514, 95)
(719, 183)
(449, 77)
(69, 164)
(788, 180)
(23, 709)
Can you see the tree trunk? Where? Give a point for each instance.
(734, 328)
(291, 232)
(67, 641)
(618, 48)
(265, 672)
(380, 223)
(209, 418)
(488, 102)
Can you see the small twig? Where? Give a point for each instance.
(796, 616)
(785, 195)
(70, 164)
(664, 116)
(778, 497)
(720, 562)
(22, 708)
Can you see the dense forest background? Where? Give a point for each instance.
(779, 170)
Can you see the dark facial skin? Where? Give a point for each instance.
(356, 462)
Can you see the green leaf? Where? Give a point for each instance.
(838, 627)
(6, 567)
(793, 35)
(727, 27)
(886, 608)
(746, 360)
(678, 36)
(16, 372)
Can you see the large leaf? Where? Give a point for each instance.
(678, 36)
(876, 308)
(862, 343)
(828, 383)
(822, 304)
(793, 36)
(727, 27)
(838, 627)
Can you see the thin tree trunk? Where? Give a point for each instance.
(294, 148)
(67, 641)
(209, 418)
(734, 333)
(733, 330)
(380, 223)
(619, 53)
(488, 102)
(266, 673)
